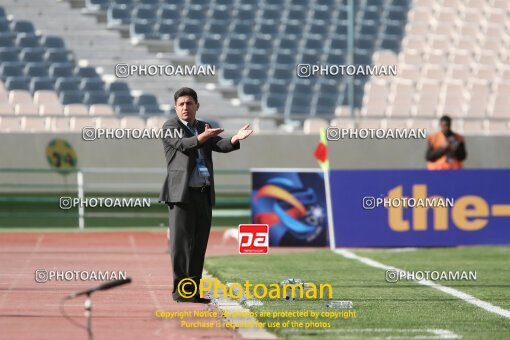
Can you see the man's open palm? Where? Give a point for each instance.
(244, 132)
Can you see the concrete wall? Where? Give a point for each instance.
(27, 150)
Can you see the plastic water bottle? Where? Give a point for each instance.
(339, 304)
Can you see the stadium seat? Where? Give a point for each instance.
(256, 74)
(43, 83)
(86, 72)
(6, 108)
(284, 60)
(80, 122)
(95, 97)
(71, 97)
(97, 5)
(191, 30)
(11, 124)
(229, 76)
(143, 31)
(9, 55)
(150, 110)
(299, 104)
(23, 26)
(144, 14)
(60, 70)
(207, 58)
(117, 86)
(475, 127)
(32, 55)
(249, 91)
(109, 122)
(342, 123)
(146, 100)
(26, 109)
(58, 56)
(120, 98)
(497, 127)
(427, 98)
(132, 123)
(375, 98)
(67, 84)
(52, 42)
(236, 45)
(60, 124)
(42, 97)
(272, 104)
(167, 29)
(76, 110)
(92, 84)
(118, 16)
(30, 41)
(501, 101)
(454, 98)
(19, 97)
(123, 2)
(36, 124)
(240, 30)
(324, 105)
(401, 98)
(100, 109)
(367, 123)
(11, 69)
(35, 70)
(478, 99)
(7, 41)
(314, 125)
(156, 122)
(166, 12)
(51, 109)
(126, 109)
(185, 45)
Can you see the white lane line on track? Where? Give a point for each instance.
(454, 292)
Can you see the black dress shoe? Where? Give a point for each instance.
(202, 300)
(193, 300)
(181, 299)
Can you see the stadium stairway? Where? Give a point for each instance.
(94, 44)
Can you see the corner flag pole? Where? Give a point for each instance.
(321, 153)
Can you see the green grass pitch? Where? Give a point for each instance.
(402, 310)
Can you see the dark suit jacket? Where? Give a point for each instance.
(181, 155)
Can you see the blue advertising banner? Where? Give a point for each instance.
(293, 203)
(408, 208)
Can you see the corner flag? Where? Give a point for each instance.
(321, 152)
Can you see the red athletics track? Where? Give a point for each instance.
(30, 310)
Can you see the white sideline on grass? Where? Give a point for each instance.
(457, 293)
(428, 333)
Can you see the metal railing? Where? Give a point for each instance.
(80, 185)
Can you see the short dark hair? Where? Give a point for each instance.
(446, 119)
(185, 91)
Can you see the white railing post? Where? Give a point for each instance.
(81, 209)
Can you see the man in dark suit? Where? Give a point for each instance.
(189, 187)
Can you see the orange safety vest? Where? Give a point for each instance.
(437, 140)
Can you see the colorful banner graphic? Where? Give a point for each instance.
(293, 204)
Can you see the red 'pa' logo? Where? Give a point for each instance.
(253, 238)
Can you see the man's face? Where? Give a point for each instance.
(186, 108)
(445, 127)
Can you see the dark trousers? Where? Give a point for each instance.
(190, 224)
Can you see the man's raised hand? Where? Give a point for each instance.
(243, 133)
(208, 133)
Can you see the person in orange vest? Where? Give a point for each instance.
(446, 149)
